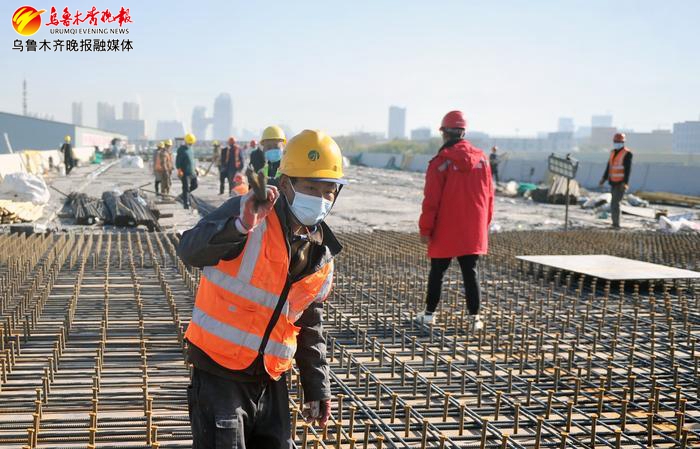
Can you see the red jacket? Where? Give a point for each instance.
(458, 203)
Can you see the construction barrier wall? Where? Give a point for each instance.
(655, 177)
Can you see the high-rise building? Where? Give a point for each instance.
(77, 113)
(200, 123)
(421, 134)
(602, 136)
(686, 137)
(105, 115)
(130, 111)
(397, 123)
(566, 125)
(169, 129)
(133, 129)
(223, 117)
(602, 121)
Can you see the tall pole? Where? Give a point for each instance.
(566, 213)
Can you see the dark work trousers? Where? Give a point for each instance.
(189, 184)
(470, 274)
(494, 172)
(226, 414)
(618, 191)
(223, 177)
(157, 185)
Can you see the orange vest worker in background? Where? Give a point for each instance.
(267, 268)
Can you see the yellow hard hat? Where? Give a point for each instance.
(215, 143)
(168, 143)
(161, 145)
(67, 139)
(313, 154)
(190, 139)
(274, 132)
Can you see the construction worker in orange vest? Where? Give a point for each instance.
(267, 268)
(617, 173)
(240, 186)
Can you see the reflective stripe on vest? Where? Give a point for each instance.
(237, 299)
(239, 337)
(616, 165)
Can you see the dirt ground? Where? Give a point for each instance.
(374, 199)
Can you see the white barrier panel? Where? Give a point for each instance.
(10, 163)
(653, 177)
(381, 160)
(83, 154)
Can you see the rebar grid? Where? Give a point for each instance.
(92, 346)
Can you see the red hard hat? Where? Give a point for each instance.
(619, 137)
(231, 140)
(453, 119)
(253, 143)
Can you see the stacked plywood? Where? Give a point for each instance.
(19, 211)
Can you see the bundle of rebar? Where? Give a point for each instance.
(85, 209)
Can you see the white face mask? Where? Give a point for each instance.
(308, 209)
(618, 145)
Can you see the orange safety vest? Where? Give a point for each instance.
(158, 166)
(241, 189)
(616, 166)
(237, 299)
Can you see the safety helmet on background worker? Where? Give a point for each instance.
(619, 137)
(168, 143)
(273, 133)
(314, 155)
(161, 145)
(190, 139)
(453, 120)
(215, 143)
(67, 139)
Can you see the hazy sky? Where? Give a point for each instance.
(338, 66)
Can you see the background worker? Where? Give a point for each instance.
(68, 156)
(157, 166)
(457, 211)
(494, 159)
(215, 152)
(248, 150)
(617, 173)
(231, 163)
(257, 309)
(163, 168)
(267, 157)
(240, 186)
(185, 164)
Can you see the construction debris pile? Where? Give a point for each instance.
(128, 209)
(91, 333)
(22, 198)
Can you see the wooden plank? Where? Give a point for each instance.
(611, 267)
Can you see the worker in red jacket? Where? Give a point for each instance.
(457, 211)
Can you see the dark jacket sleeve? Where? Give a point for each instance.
(178, 159)
(215, 237)
(605, 174)
(257, 159)
(311, 355)
(627, 162)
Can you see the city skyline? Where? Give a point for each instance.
(505, 66)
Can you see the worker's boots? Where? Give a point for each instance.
(478, 324)
(425, 317)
